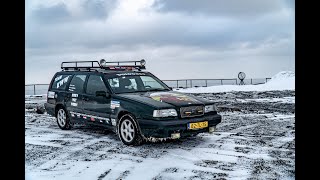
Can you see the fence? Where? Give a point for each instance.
(187, 83)
(37, 89)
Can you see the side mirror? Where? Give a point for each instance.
(170, 88)
(103, 94)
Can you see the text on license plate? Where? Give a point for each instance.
(198, 125)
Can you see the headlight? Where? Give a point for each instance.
(210, 108)
(165, 113)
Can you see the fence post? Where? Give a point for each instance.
(236, 81)
(206, 84)
(186, 83)
(177, 84)
(221, 82)
(251, 80)
(34, 89)
(191, 82)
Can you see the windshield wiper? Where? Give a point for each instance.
(147, 90)
(156, 89)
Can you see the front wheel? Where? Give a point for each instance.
(128, 131)
(63, 119)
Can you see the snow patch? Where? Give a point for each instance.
(284, 80)
(283, 75)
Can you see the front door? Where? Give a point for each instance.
(97, 108)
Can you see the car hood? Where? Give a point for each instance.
(161, 99)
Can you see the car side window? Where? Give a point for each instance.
(76, 84)
(60, 81)
(95, 83)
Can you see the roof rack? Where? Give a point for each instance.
(95, 65)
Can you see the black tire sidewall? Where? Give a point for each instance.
(136, 134)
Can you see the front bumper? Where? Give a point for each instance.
(164, 129)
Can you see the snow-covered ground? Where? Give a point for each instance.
(255, 140)
(284, 80)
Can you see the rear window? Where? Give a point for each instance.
(60, 81)
(76, 84)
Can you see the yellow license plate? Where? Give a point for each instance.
(198, 125)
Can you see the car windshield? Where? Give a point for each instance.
(135, 82)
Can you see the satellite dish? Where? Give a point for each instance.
(241, 76)
(103, 62)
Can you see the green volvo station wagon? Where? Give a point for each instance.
(127, 100)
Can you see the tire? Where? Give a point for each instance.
(128, 131)
(63, 119)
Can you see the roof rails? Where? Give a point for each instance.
(95, 65)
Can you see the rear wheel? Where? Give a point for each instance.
(128, 131)
(63, 119)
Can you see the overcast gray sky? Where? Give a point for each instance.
(178, 38)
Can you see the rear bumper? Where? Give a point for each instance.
(164, 129)
(50, 108)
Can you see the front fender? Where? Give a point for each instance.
(139, 110)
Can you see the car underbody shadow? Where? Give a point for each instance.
(189, 141)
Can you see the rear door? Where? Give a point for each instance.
(97, 108)
(75, 94)
(56, 92)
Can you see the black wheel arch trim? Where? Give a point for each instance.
(133, 118)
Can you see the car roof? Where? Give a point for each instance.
(85, 67)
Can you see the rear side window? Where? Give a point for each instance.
(60, 81)
(76, 84)
(95, 83)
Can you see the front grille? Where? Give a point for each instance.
(191, 111)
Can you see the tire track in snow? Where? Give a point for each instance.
(104, 174)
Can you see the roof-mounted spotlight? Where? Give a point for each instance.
(103, 62)
(143, 62)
